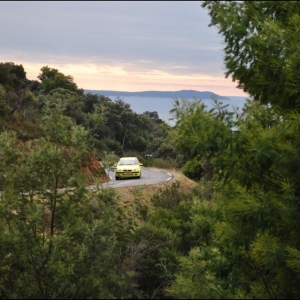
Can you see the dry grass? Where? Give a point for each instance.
(135, 198)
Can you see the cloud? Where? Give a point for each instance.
(121, 44)
(131, 78)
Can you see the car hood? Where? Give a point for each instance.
(128, 167)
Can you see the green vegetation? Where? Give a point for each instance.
(58, 239)
(233, 235)
(253, 217)
(112, 126)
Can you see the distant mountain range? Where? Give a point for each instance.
(189, 94)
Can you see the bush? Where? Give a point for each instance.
(193, 169)
(164, 163)
(170, 197)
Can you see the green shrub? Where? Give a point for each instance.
(170, 197)
(167, 163)
(193, 169)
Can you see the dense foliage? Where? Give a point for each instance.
(236, 235)
(253, 216)
(261, 45)
(112, 126)
(256, 194)
(60, 240)
(57, 242)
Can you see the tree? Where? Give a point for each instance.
(262, 39)
(253, 249)
(12, 77)
(47, 73)
(53, 79)
(257, 193)
(57, 242)
(153, 115)
(5, 109)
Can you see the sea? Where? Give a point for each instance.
(163, 105)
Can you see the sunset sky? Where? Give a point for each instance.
(122, 46)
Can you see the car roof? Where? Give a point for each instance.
(129, 157)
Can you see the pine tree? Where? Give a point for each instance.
(58, 240)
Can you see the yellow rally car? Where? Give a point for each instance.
(128, 167)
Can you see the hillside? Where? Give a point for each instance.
(160, 94)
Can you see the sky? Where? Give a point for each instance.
(120, 46)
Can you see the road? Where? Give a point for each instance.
(148, 176)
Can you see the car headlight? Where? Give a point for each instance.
(135, 170)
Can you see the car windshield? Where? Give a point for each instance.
(128, 161)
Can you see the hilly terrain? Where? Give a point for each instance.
(189, 94)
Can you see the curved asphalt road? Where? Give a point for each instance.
(148, 176)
